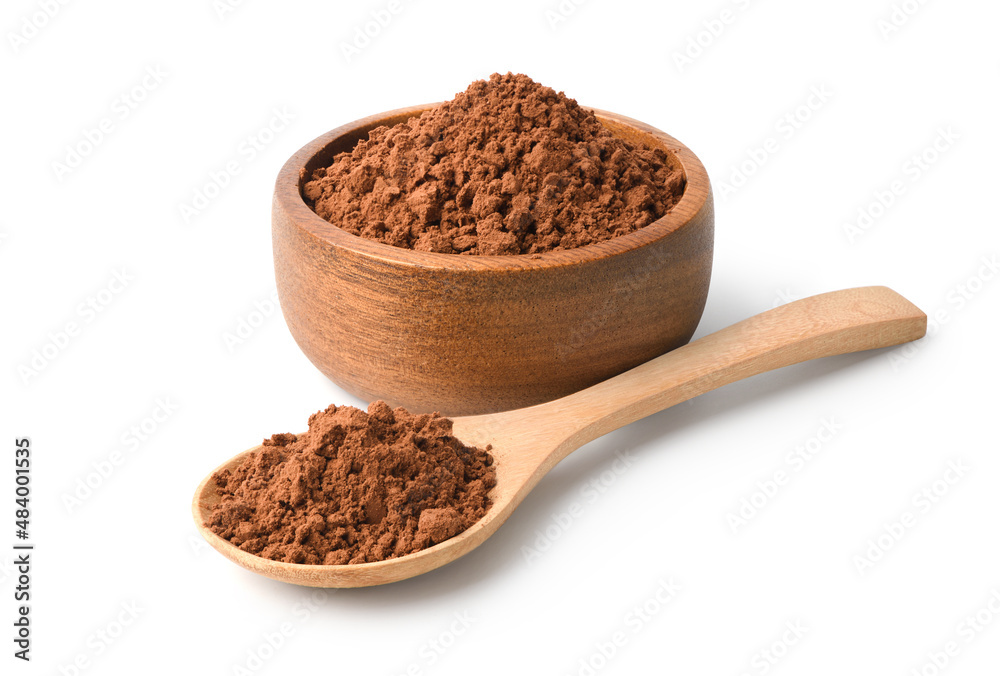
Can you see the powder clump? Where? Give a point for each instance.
(507, 167)
(357, 487)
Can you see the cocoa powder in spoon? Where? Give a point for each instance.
(356, 487)
(507, 167)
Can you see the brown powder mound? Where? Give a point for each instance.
(357, 487)
(506, 167)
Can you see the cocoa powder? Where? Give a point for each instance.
(506, 167)
(356, 487)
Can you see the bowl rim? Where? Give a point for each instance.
(288, 197)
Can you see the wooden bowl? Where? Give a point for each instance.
(465, 335)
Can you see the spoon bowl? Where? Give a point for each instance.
(528, 442)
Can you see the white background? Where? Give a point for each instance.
(159, 344)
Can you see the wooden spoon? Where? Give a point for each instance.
(528, 442)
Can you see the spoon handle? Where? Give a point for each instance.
(833, 323)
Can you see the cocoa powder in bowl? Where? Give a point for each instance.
(507, 167)
(356, 487)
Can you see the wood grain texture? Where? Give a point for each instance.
(474, 334)
(527, 443)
